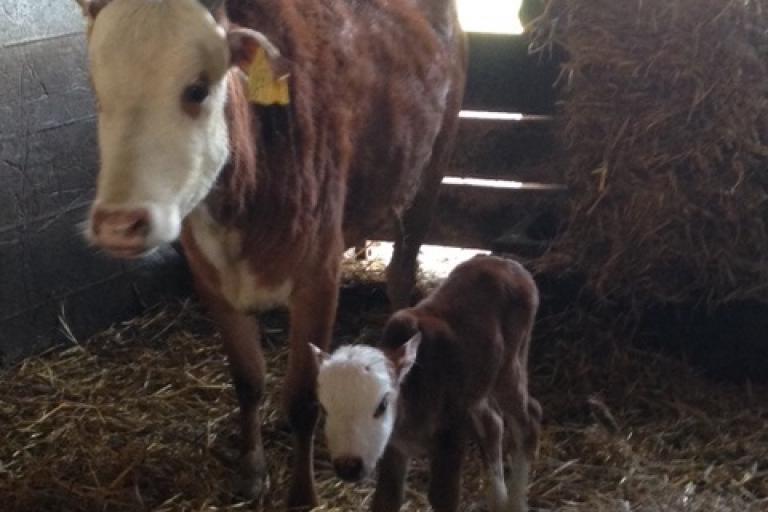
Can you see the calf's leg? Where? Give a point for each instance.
(312, 314)
(522, 416)
(489, 428)
(519, 467)
(240, 337)
(445, 470)
(390, 487)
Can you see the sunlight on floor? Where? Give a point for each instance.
(490, 16)
(435, 261)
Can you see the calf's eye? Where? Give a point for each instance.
(382, 408)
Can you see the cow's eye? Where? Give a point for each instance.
(196, 93)
(382, 408)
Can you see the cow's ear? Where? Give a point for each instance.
(245, 44)
(91, 8)
(212, 5)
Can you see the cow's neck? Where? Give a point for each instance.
(263, 190)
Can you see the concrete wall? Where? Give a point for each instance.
(48, 161)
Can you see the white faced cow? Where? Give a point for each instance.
(453, 365)
(266, 195)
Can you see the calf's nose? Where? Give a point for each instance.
(349, 468)
(122, 233)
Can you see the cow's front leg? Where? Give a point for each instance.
(312, 315)
(241, 339)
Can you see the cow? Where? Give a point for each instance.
(268, 136)
(455, 364)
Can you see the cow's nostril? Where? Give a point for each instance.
(140, 227)
(121, 224)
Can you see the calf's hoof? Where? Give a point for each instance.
(516, 505)
(301, 503)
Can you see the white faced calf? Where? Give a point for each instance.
(454, 365)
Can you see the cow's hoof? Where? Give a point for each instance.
(251, 487)
(252, 478)
(252, 481)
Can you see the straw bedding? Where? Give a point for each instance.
(143, 417)
(664, 115)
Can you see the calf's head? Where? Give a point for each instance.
(159, 69)
(358, 389)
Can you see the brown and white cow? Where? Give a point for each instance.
(455, 364)
(265, 198)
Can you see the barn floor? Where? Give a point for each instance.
(142, 417)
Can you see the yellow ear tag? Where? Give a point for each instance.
(263, 87)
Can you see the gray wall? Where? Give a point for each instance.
(48, 161)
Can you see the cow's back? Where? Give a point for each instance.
(373, 83)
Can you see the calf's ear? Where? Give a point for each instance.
(400, 327)
(404, 357)
(212, 5)
(319, 355)
(91, 8)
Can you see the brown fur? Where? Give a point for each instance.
(375, 91)
(348, 146)
(475, 329)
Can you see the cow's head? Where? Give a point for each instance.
(159, 69)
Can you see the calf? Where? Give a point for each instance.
(454, 364)
(342, 128)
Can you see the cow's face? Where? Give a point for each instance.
(159, 69)
(358, 388)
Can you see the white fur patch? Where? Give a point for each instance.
(517, 483)
(351, 384)
(222, 248)
(519, 468)
(143, 55)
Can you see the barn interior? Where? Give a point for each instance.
(617, 148)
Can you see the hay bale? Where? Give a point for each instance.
(665, 119)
